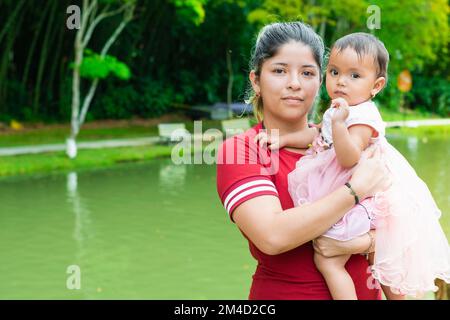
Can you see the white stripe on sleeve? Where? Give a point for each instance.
(246, 193)
(244, 186)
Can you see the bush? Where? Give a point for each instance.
(115, 103)
(156, 98)
(145, 98)
(431, 94)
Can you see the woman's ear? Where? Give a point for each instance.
(378, 86)
(254, 80)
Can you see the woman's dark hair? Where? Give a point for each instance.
(270, 39)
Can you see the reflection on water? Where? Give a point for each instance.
(172, 177)
(144, 231)
(412, 143)
(83, 230)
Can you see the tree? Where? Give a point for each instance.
(95, 66)
(415, 32)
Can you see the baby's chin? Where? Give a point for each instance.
(352, 101)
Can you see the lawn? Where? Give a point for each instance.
(58, 161)
(101, 130)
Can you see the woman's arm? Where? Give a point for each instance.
(275, 231)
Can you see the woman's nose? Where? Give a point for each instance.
(294, 82)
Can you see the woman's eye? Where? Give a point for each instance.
(308, 73)
(279, 71)
(355, 75)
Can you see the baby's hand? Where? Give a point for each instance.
(342, 109)
(314, 125)
(273, 142)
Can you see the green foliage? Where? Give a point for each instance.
(413, 31)
(390, 97)
(96, 66)
(144, 98)
(115, 2)
(416, 34)
(430, 93)
(190, 10)
(156, 98)
(175, 51)
(116, 103)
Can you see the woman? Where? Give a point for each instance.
(252, 181)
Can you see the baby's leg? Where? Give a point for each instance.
(387, 290)
(391, 295)
(339, 282)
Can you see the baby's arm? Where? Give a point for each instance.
(298, 139)
(348, 142)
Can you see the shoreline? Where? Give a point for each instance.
(111, 152)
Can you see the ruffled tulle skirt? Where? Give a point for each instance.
(411, 247)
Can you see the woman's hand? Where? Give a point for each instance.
(329, 247)
(371, 174)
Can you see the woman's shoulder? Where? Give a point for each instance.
(241, 140)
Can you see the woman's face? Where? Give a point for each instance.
(288, 82)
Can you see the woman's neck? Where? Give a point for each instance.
(284, 127)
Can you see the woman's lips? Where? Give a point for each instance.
(292, 100)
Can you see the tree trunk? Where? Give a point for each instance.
(11, 20)
(230, 83)
(74, 125)
(34, 42)
(443, 292)
(43, 57)
(106, 47)
(82, 39)
(8, 56)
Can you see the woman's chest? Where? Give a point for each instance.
(287, 162)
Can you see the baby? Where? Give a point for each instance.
(411, 248)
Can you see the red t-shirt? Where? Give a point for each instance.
(244, 171)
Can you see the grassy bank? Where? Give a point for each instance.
(391, 115)
(59, 162)
(101, 130)
(421, 132)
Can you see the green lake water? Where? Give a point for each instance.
(144, 231)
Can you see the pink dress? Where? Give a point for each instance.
(411, 247)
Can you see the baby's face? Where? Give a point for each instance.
(350, 77)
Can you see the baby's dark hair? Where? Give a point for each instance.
(365, 43)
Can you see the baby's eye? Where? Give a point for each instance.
(333, 72)
(355, 75)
